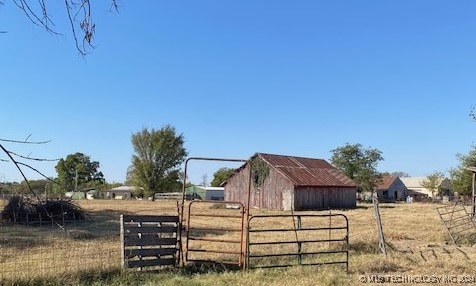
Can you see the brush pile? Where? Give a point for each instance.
(23, 210)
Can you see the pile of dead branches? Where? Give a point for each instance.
(24, 210)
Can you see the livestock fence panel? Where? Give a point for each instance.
(458, 222)
(215, 233)
(284, 240)
(37, 249)
(149, 242)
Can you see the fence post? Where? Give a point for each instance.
(299, 226)
(123, 258)
(330, 226)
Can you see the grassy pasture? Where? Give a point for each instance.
(89, 253)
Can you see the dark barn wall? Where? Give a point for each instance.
(321, 198)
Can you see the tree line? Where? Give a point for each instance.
(155, 167)
(158, 155)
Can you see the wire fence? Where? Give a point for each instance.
(36, 248)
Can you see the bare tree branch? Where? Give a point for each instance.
(32, 158)
(25, 142)
(33, 16)
(79, 12)
(17, 165)
(37, 171)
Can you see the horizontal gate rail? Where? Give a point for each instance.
(149, 241)
(458, 222)
(300, 241)
(315, 244)
(209, 240)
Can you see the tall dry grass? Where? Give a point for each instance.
(90, 253)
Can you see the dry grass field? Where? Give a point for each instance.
(419, 250)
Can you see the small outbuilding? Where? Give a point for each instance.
(205, 193)
(390, 189)
(120, 193)
(288, 182)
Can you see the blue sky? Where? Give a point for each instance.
(238, 77)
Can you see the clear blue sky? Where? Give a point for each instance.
(238, 77)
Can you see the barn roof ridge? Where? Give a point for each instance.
(302, 171)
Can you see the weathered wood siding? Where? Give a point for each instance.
(396, 191)
(236, 188)
(269, 195)
(320, 198)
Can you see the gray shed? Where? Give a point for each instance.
(285, 182)
(390, 189)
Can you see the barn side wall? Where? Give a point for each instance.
(398, 190)
(236, 188)
(321, 198)
(269, 195)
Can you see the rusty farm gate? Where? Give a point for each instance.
(299, 239)
(215, 233)
(459, 223)
(149, 242)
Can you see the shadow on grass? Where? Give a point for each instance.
(209, 267)
(364, 247)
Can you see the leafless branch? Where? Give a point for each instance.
(37, 171)
(45, 22)
(24, 142)
(78, 13)
(32, 158)
(17, 165)
(114, 6)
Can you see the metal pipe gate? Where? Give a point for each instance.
(313, 239)
(215, 236)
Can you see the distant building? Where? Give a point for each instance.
(390, 189)
(287, 182)
(205, 193)
(416, 189)
(89, 194)
(119, 193)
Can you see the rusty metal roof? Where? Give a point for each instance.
(385, 182)
(307, 171)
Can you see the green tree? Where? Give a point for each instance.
(37, 186)
(432, 182)
(461, 179)
(359, 164)
(77, 171)
(156, 160)
(221, 175)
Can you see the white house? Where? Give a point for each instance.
(415, 186)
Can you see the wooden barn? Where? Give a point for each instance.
(285, 182)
